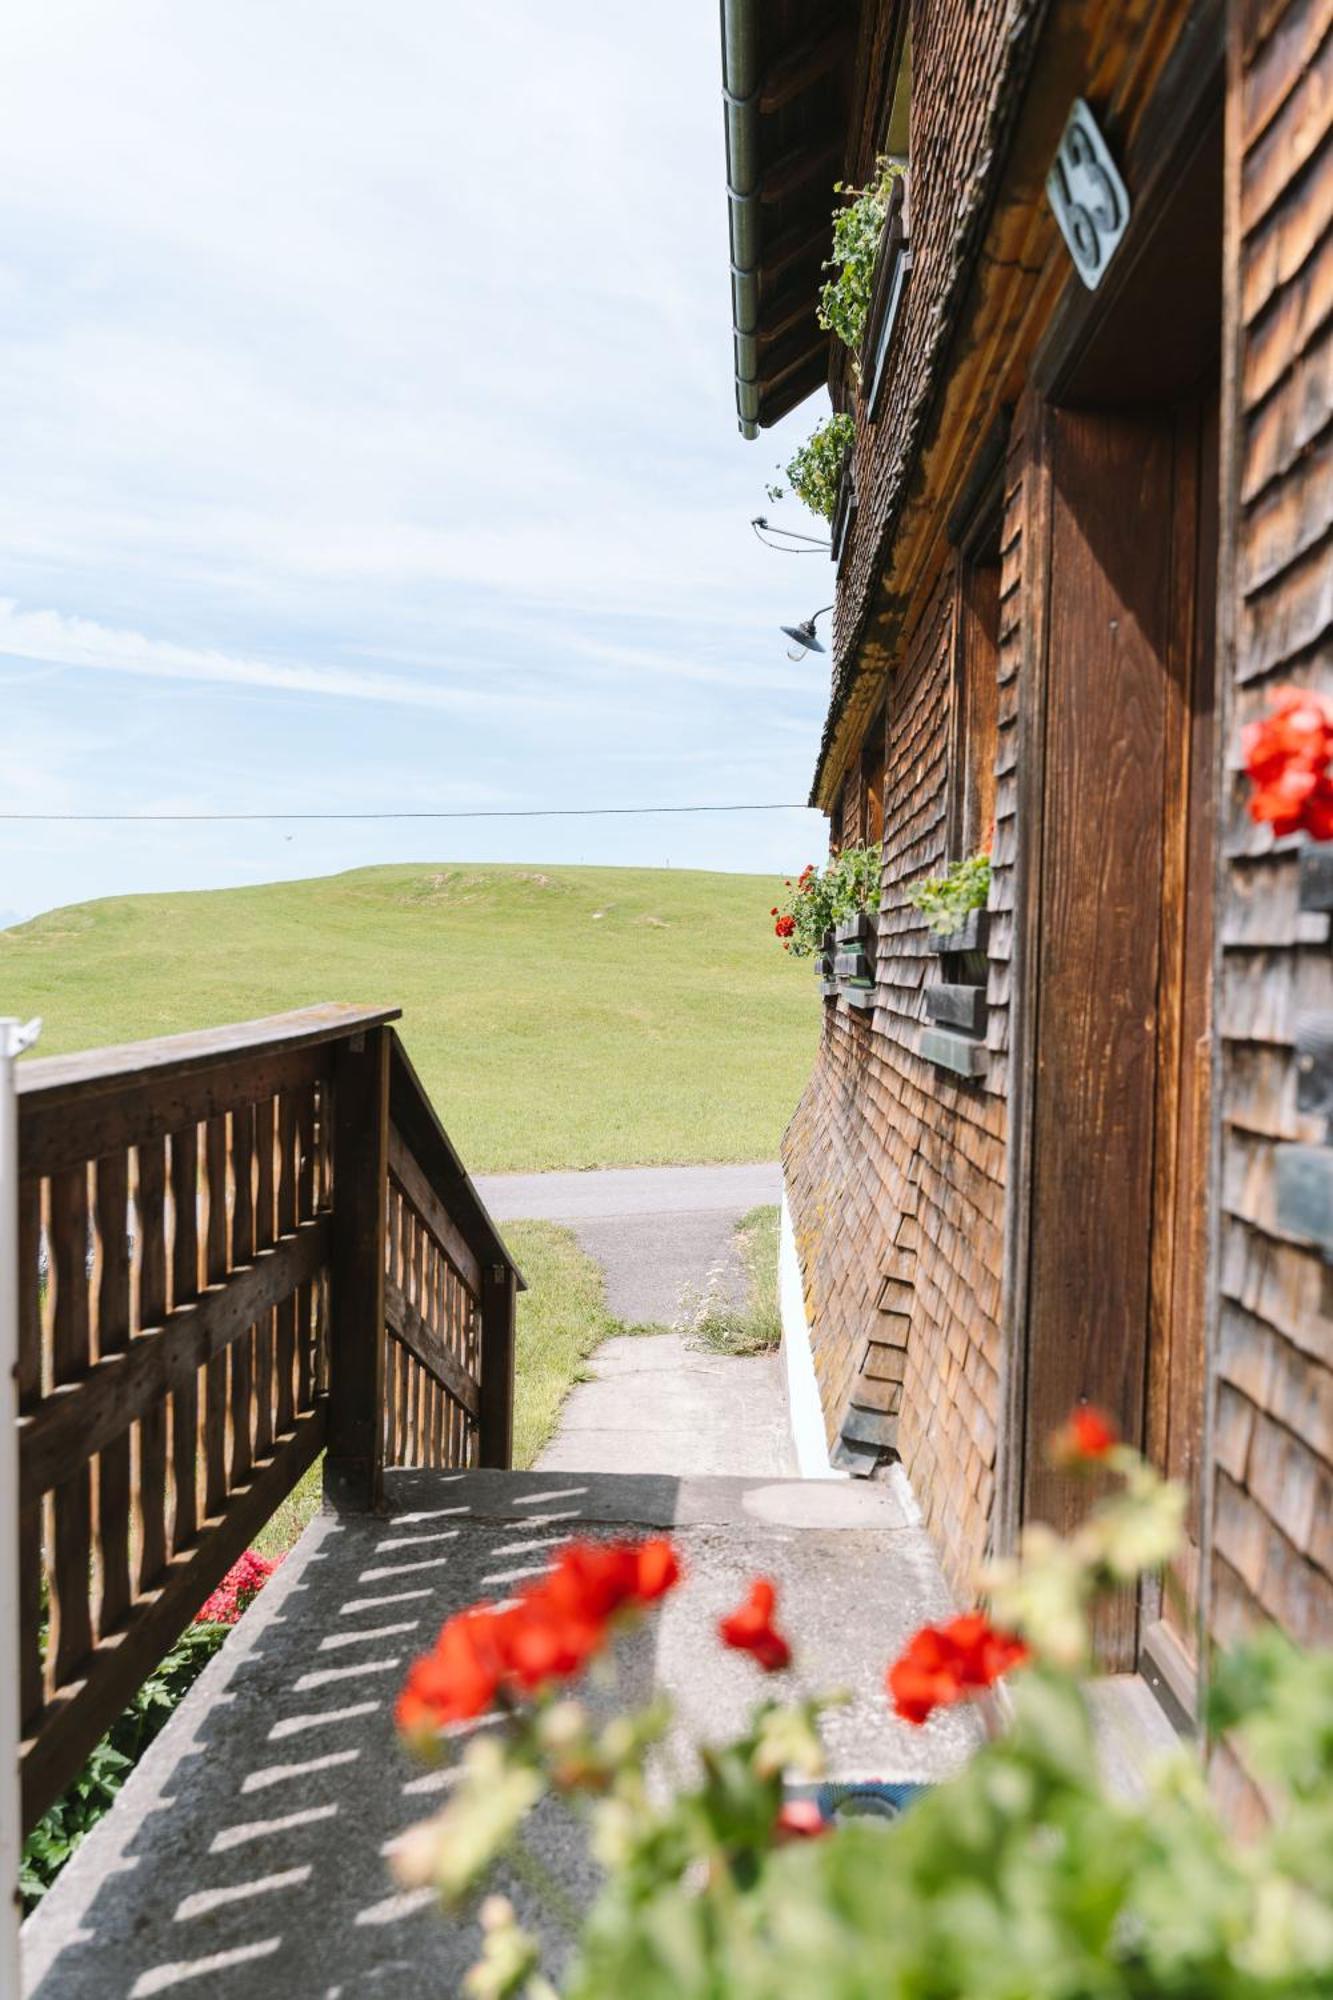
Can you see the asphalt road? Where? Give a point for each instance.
(657, 1232)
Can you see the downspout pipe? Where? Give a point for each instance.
(740, 103)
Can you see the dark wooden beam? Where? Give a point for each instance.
(804, 63)
(798, 167)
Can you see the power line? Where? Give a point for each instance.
(491, 812)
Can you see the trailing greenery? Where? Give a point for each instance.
(848, 886)
(945, 900)
(93, 1793)
(814, 471)
(844, 301)
(720, 1326)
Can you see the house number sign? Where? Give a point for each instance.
(1088, 195)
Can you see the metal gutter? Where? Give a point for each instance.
(740, 101)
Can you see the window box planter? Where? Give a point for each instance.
(962, 1054)
(971, 935)
(957, 1006)
(855, 962)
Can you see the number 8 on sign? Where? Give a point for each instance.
(1087, 194)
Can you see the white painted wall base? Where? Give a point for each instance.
(804, 1410)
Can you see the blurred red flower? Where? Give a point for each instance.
(784, 927)
(750, 1628)
(1287, 754)
(944, 1664)
(549, 1633)
(1088, 1434)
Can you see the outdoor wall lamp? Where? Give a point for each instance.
(803, 635)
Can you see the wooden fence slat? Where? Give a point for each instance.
(305, 1206)
(213, 1431)
(360, 1171)
(71, 1632)
(113, 1337)
(265, 1233)
(285, 1314)
(150, 1259)
(184, 1288)
(30, 1389)
(242, 1252)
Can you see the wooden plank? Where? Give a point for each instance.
(356, 1334)
(58, 1133)
(184, 1289)
(29, 1390)
(957, 1007)
(1109, 625)
(957, 1053)
(83, 1417)
(49, 1079)
(71, 1555)
(404, 1169)
(213, 1430)
(113, 1337)
(406, 1323)
(265, 1232)
(241, 1358)
(496, 1416)
(79, 1714)
(150, 1257)
(284, 1313)
(305, 1206)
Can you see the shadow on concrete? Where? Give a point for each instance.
(248, 1851)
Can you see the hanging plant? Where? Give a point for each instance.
(844, 302)
(814, 471)
(945, 900)
(848, 886)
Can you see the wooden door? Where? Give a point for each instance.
(1118, 1147)
(1176, 1370)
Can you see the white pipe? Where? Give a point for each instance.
(14, 1038)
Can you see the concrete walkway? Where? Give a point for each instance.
(654, 1403)
(247, 1853)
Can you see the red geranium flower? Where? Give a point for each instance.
(943, 1664)
(800, 1819)
(459, 1679)
(549, 1633)
(1287, 755)
(1088, 1435)
(238, 1588)
(750, 1628)
(784, 927)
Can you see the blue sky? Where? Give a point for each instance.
(369, 442)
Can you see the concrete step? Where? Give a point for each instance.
(247, 1852)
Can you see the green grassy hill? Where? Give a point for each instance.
(562, 1017)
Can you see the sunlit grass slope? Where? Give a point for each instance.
(561, 1017)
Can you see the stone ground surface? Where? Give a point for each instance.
(247, 1854)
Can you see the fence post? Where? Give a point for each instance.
(14, 1038)
(498, 1296)
(354, 1461)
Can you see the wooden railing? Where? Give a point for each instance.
(236, 1249)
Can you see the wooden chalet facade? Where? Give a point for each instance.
(1084, 531)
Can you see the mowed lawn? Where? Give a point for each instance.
(559, 1017)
